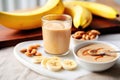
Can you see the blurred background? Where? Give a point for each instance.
(11, 5)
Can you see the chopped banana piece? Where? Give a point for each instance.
(54, 65)
(69, 64)
(37, 59)
(44, 61)
(55, 58)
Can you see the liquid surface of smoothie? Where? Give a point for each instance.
(83, 53)
(56, 37)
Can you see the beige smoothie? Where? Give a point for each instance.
(56, 37)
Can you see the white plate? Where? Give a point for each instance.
(62, 75)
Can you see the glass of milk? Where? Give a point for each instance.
(56, 30)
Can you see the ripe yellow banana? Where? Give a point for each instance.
(30, 19)
(69, 64)
(97, 8)
(81, 16)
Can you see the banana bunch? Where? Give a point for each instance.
(81, 12)
(96, 8)
(55, 63)
(30, 19)
(81, 16)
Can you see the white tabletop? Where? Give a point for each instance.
(11, 69)
(110, 37)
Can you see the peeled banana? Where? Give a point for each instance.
(30, 19)
(81, 16)
(96, 8)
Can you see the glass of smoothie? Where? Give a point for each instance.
(56, 31)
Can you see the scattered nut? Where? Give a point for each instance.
(31, 50)
(23, 50)
(37, 45)
(28, 54)
(38, 54)
(34, 51)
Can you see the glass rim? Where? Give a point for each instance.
(68, 17)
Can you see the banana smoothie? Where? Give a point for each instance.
(56, 36)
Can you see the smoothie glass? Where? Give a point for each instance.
(56, 31)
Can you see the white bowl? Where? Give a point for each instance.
(94, 66)
(77, 41)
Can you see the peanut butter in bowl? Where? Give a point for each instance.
(91, 53)
(88, 56)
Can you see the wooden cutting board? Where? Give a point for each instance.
(105, 26)
(10, 37)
